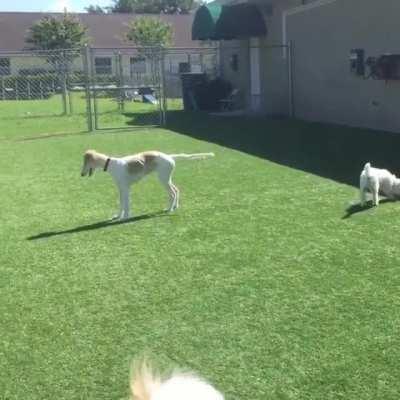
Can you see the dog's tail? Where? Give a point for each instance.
(367, 169)
(144, 381)
(196, 156)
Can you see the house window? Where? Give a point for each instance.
(103, 65)
(138, 65)
(5, 66)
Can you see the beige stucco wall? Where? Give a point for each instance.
(324, 88)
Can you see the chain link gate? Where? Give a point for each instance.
(124, 87)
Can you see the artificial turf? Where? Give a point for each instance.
(267, 281)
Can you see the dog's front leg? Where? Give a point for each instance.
(124, 206)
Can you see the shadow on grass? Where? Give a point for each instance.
(151, 118)
(357, 208)
(331, 151)
(98, 225)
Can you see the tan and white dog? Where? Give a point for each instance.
(147, 385)
(375, 181)
(130, 169)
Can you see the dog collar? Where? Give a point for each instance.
(106, 164)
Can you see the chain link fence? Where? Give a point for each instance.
(106, 88)
(41, 75)
(126, 87)
(97, 88)
(178, 61)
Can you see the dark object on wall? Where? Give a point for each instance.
(234, 62)
(385, 67)
(357, 62)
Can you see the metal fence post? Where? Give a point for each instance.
(93, 88)
(121, 101)
(88, 82)
(290, 78)
(68, 86)
(63, 84)
(163, 90)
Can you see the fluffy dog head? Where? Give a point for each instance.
(148, 385)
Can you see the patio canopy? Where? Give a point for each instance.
(205, 20)
(215, 22)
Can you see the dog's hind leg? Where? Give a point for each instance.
(176, 205)
(363, 197)
(172, 195)
(164, 176)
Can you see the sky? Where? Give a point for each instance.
(50, 5)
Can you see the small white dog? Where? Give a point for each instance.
(130, 169)
(376, 180)
(147, 385)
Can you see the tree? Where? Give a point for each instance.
(149, 32)
(94, 9)
(51, 33)
(59, 37)
(150, 35)
(153, 6)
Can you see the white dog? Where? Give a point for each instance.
(377, 180)
(147, 385)
(128, 170)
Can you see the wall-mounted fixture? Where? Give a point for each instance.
(357, 63)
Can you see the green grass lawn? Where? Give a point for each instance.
(257, 282)
(31, 118)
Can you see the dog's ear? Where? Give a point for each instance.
(89, 155)
(88, 163)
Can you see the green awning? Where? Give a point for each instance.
(204, 22)
(215, 22)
